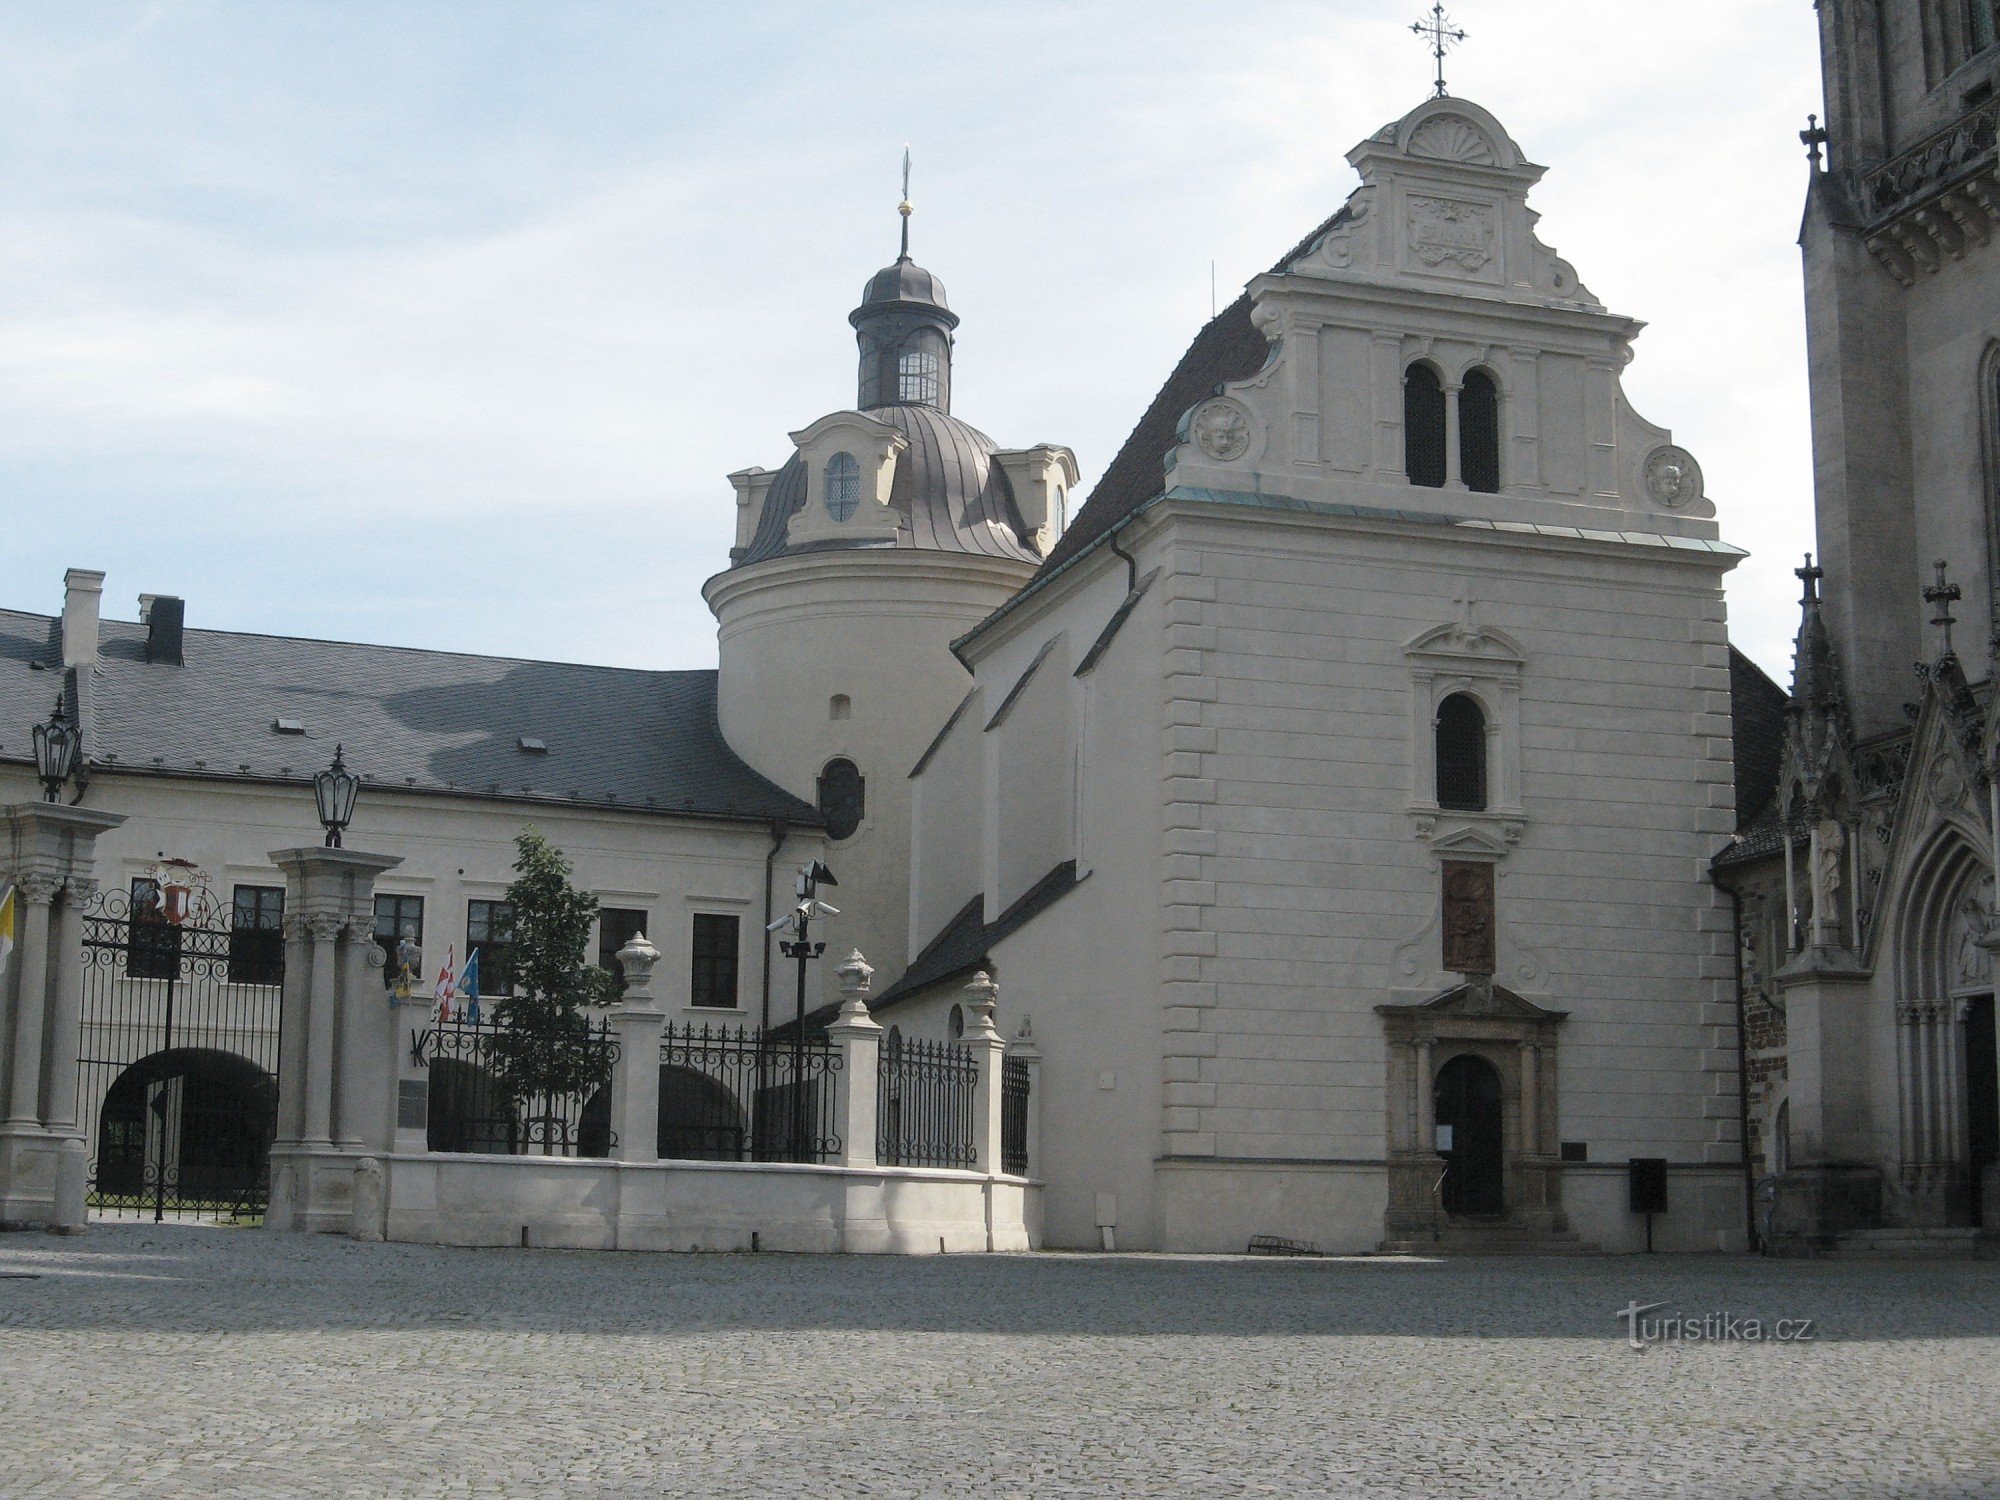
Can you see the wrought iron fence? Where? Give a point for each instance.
(732, 1093)
(1014, 1116)
(469, 1110)
(923, 1103)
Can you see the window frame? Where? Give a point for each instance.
(840, 486)
(257, 952)
(822, 792)
(925, 369)
(1479, 440)
(388, 942)
(1434, 427)
(708, 963)
(1448, 759)
(501, 970)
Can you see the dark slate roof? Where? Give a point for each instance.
(966, 942)
(1229, 347)
(427, 721)
(905, 281)
(1757, 711)
(950, 494)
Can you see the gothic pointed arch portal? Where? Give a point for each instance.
(1948, 1108)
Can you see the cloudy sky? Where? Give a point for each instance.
(441, 323)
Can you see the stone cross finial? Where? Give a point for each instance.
(1943, 595)
(1814, 136)
(1810, 577)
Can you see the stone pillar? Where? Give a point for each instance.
(48, 853)
(1426, 1099)
(988, 1048)
(337, 1062)
(1023, 1049)
(855, 1033)
(635, 1079)
(1531, 1101)
(1454, 479)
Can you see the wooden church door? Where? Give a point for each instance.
(1982, 1104)
(1468, 1107)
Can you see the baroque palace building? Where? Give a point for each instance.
(1357, 799)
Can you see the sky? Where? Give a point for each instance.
(441, 324)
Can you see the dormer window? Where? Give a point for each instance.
(917, 377)
(842, 486)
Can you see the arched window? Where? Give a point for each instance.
(843, 797)
(1423, 426)
(917, 376)
(843, 486)
(955, 1023)
(1479, 433)
(839, 706)
(1461, 754)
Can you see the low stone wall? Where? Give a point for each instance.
(695, 1205)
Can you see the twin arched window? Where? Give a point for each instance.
(1461, 754)
(1427, 410)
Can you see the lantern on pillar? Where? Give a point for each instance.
(55, 752)
(334, 790)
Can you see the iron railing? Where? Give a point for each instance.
(1014, 1116)
(733, 1093)
(923, 1103)
(469, 1111)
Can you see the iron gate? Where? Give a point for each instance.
(178, 1056)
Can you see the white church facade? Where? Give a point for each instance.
(1334, 796)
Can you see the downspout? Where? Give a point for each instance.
(1131, 562)
(779, 828)
(1743, 1071)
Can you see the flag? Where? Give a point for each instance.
(444, 982)
(468, 987)
(6, 926)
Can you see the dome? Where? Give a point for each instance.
(948, 492)
(904, 282)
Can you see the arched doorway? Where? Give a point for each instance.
(188, 1129)
(700, 1120)
(1469, 1115)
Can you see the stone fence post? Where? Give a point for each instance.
(858, 1038)
(48, 854)
(635, 1079)
(988, 1048)
(338, 1038)
(1022, 1049)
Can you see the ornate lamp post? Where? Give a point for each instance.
(802, 948)
(55, 752)
(334, 789)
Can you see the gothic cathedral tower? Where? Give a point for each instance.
(892, 530)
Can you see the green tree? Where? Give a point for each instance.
(544, 1043)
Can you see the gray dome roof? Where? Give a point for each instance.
(905, 281)
(951, 496)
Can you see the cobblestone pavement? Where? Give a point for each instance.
(182, 1360)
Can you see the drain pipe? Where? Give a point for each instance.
(1131, 562)
(779, 828)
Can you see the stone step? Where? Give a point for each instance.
(1490, 1239)
(1908, 1243)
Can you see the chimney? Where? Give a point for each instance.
(163, 614)
(83, 598)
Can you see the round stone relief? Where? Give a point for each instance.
(1221, 429)
(1673, 478)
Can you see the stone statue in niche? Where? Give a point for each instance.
(1469, 925)
(1826, 877)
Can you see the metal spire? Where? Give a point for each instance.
(905, 208)
(1441, 37)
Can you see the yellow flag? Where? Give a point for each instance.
(6, 926)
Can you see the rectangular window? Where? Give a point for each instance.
(152, 943)
(256, 935)
(399, 919)
(489, 932)
(715, 946)
(617, 926)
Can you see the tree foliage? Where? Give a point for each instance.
(545, 1043)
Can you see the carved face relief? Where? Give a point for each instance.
(1445, 232)
(1673, 478)
(1221, 429)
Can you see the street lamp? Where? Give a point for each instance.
(55, 752)
(802, 948)
(334, 790)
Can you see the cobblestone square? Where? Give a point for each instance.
(184, 1360)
